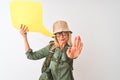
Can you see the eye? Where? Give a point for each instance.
(64, 33)
(58, 34)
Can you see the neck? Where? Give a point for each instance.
(61, 46)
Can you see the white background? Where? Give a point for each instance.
(96, 21)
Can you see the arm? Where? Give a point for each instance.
(30, 54)
(23, 31)
(38, 54)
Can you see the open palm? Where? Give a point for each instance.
(74, 51)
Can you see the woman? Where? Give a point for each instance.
(64, 50)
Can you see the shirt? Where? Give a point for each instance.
(60, 65)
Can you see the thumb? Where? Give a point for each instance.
(69, 51)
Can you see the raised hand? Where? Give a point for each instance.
(75, 50)
(23, 30)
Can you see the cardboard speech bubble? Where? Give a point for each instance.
(28, 13)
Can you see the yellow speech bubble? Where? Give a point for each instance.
(28, 13)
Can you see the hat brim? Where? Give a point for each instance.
(62, 31)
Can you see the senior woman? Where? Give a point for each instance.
(65, 51)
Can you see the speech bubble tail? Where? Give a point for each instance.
(43, 30)
(48, 34)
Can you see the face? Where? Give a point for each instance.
(62, 37)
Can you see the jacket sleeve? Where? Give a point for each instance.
(35, 55)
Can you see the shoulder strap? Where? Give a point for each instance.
(48, 59)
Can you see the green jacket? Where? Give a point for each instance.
(61, 65)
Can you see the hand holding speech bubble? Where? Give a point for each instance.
(28, 13)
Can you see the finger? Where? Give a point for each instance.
(68, 52)
(80, 46)
(26, 29)
(75, 42)
(79, 38)
(21, 26)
